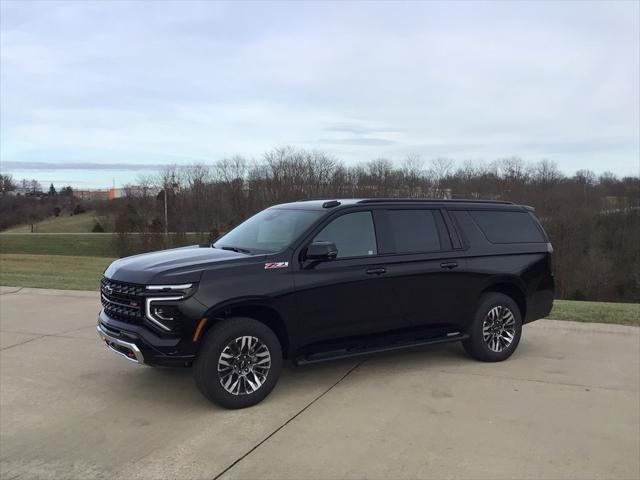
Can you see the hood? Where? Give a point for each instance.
(176, 265)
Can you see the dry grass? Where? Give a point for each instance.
(600, 312)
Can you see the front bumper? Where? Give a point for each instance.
(128, 350)
(139, 344)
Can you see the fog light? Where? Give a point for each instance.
(163, 313)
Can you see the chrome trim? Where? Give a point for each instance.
(147, 310)
(184, 286)
(131, 346)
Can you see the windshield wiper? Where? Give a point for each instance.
(236, 249)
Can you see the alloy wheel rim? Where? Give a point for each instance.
(499, 328)
(243, 365)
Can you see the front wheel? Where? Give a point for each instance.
(239, 363)
(495, 331)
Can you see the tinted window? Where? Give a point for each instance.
(508, 227)
(352, 233)
(414, 230)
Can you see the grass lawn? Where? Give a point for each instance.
(81, 223)
(79, 244)
(83, 271)
(602, 312)
(52, 271)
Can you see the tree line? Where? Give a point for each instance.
(29, 187)
(593, 221)
(33, 205)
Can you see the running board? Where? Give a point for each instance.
(358, 352)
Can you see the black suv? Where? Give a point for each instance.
(319, 280)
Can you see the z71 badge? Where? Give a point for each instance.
(270, 265)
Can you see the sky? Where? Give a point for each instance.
(98, 90)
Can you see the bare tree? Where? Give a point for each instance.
(594, 223)
(7, 184)
(439, 170)
(585, 177)
(607, 178)
(547, 173)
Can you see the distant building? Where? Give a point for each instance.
(19, 191)
(91, 194)
(113, 193)
(25, 192)
(133, 191)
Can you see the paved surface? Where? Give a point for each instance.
(565, 406)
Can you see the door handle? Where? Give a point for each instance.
(376, 271)
(449, 265)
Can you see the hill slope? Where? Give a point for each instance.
(81, 223)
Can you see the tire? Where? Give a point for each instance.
(241, 349)
(492, 344)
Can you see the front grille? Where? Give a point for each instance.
(122, 301)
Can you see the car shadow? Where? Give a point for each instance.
(176, 386)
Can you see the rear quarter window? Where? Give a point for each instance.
(508, 227)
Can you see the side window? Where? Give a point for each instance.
(353, 234)
(507, 227)
(414, 230)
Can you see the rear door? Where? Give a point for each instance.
(425, 270)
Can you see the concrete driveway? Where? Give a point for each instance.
(565, 406)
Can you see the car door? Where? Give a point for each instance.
(425, 273)
(343, 297)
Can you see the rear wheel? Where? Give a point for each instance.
(239, 363)
(496, 329)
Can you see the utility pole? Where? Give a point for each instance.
(166, 230)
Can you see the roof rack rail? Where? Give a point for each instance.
(433, 200)
(326, 203)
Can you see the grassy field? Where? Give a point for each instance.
(52, 271)
(80, 244)
(602, 312)
(84, 272)
(81, 223)
(42, 260)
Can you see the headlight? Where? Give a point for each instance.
(160, 308)
(184, 289)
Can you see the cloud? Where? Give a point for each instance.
(358, 141)
(127, 83)
(49, 166)
(358, 128)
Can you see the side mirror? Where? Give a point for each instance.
(321, 251)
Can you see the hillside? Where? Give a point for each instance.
(81, 223)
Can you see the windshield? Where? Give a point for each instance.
(269, 231)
